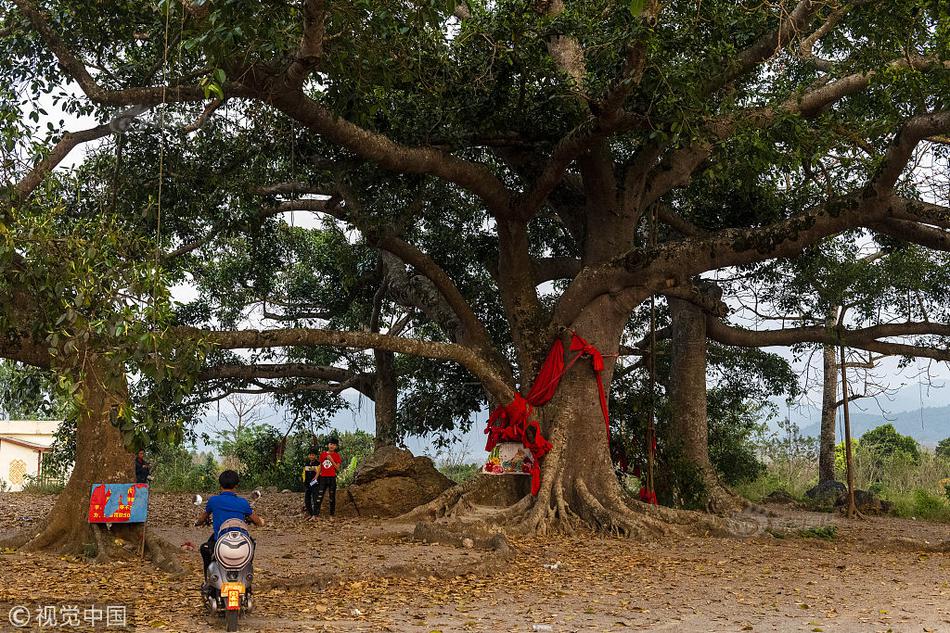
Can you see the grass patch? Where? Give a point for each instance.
(43, 487)
(919, 504)
(460, 473)
(826, 532)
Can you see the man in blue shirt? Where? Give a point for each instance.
(223, 506)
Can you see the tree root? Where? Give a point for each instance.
(461, 535)
(441, 505)
(163, 554)
(722, 501)
(610, 511)
(17, 539)
(98, 544)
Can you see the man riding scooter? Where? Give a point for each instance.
(228, 554)
(222, 507)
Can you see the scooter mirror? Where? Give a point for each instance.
(255, 495)
(196, 500)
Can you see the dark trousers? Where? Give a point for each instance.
(309, 496)
(207, 549)
(325, 484)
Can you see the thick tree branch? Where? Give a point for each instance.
(76, 69)
(862, 338)
(902, 147)
(363, 382)
(383, 151)
(311, 42)
(766, 46)
(641, 271)
(937, 239)
(480, 367)
(473, 332)
(551, 268)
(44, 167)
(677, 168)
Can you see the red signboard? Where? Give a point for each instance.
(118, 503)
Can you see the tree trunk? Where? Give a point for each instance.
(829, 396)
(689, 422)
(101, 457)
(578, 485)
(384, 398)
(829, 399)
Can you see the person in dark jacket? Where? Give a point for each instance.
(310, 470)
(142, 468)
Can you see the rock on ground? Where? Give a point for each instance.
(391, 482)
(826, 493)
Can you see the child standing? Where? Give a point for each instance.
(330, 461)
(310, 470)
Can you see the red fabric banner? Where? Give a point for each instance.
(512, 423)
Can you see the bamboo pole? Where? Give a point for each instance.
(852, 507)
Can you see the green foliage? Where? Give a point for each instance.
(43, 485)
(256, 449)
(885, 442)
(791, 463)
(921, 504)
(58, 461)
(943, 448)
(28, 393)
(916, 487)
(177, 469)
(460, 473)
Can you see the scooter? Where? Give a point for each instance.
(227, 585)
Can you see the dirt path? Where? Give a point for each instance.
(367, 575)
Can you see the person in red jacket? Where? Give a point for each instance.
(330, 461)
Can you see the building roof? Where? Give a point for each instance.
(25, 443)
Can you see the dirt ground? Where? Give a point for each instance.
(366, 574)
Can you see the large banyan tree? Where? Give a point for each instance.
(585, 155)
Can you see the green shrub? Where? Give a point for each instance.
(257, 448)
(943, 449)
(42, 485)
(178, 469)
(459, 473)
(827, 532)
(885, 441)
(930, 506)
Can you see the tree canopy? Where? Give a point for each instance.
(543, 166)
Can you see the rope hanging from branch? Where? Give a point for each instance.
(513, 422)
(648, 490)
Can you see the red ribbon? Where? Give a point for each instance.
(512, 423)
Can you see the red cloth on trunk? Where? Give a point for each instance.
(512, 423)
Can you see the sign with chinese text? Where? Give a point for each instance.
(118, 503)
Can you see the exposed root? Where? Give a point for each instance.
(18, 539)
(441, 505)
(98, 544)
(564, 509)
(722, 501)
(618, 520)
(461, 535)
(515, 511)
(163, 554)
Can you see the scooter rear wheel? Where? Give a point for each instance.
(230, 621)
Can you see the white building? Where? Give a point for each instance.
(22, 444)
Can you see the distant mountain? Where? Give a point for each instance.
(928, 425)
